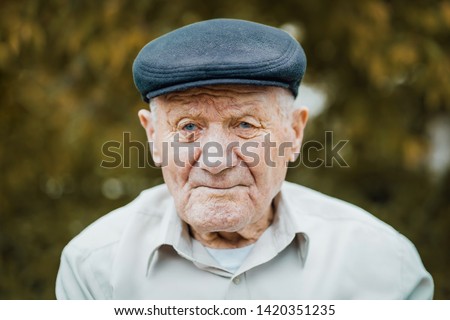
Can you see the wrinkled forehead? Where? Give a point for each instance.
(233, 95)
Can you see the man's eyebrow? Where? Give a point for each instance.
(244, 106)
(183, 111)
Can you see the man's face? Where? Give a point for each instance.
(224, 152)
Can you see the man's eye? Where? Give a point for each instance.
(190, 127)
(245, 125)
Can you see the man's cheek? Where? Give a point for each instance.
(251, 153)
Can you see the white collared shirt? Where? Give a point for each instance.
(317, 247)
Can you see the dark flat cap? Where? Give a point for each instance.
(219, 51)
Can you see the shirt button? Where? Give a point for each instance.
(237, 280)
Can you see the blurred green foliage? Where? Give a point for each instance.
(66, 89)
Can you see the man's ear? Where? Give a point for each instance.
(299, 120)
(145, 117)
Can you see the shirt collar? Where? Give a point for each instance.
(289, 226)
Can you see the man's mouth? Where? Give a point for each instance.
(219, 187)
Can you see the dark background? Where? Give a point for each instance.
(66, 89)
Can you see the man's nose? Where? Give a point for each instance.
(217, 153)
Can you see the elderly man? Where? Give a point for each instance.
(225, 225)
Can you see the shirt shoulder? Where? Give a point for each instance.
(87, 261)
(356, 240)
(321, 207)
(109, 228)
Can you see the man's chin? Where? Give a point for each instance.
(208, 221)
